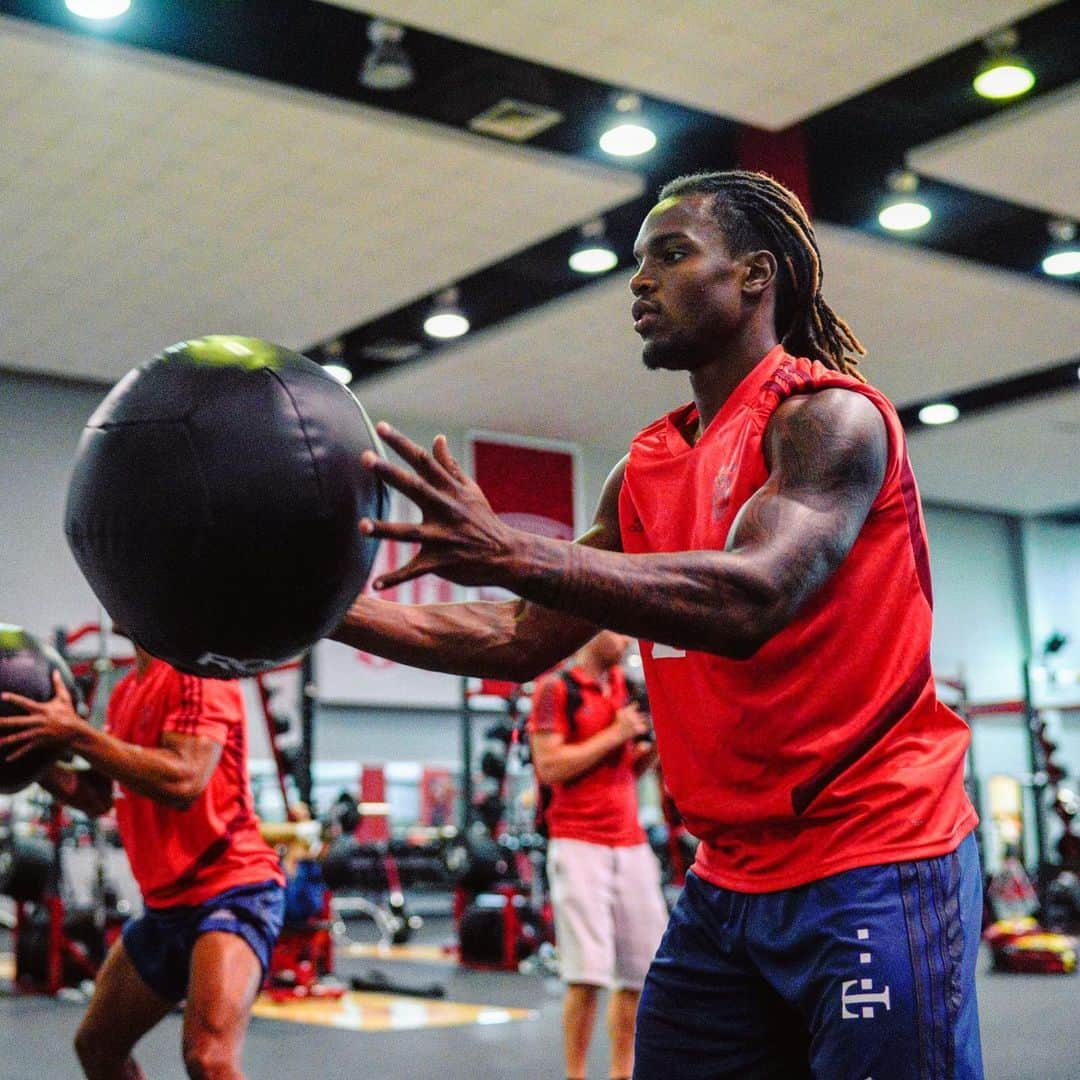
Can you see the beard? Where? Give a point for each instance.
(673, 353)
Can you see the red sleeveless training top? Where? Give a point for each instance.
(828, 749)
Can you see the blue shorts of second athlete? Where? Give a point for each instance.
(160, 942)
(865, 975)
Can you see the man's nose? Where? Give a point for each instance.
(642, 282)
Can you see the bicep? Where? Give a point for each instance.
(827, 454)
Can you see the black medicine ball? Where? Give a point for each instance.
(26, 667)
(214, 502)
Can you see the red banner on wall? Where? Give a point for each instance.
(531, 485)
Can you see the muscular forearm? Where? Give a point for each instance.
(713, 601)
(499, 640)
(156, 772)
(568, 761)
(84, 789)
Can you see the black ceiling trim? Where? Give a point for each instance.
(1063, 377)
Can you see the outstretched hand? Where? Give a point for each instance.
(45, 724)
(460, 537)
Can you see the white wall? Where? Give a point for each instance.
(978, 611)
(1052, 567)
(40, 422)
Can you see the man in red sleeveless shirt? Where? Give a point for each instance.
(605, 881)
(766, 544)
(173, 761)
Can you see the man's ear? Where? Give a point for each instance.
(761, 269)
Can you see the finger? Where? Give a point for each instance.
(10, 743)
(22, 751)
(15, 723)
(414, 455)
(25, 703)
(61, 688)
(409, 531)
(414, 568)
(411, 484)
(441, 452)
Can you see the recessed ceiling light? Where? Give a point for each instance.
(940, 413)
(446, 319)
(1062, 263)
(905, 215)
(630, 135)
(98, 9)
(387, 66)
(595, 258)
(340, 372)
(446, 324)
(627, 140)
(1006, 77)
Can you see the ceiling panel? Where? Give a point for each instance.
(145, 199)
(933, 323)
(766, 64)
(1026, 155)
(996, 462)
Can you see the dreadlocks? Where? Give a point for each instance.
(755, 211)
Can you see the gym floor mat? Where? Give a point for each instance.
(427, 954)
(363, 1011)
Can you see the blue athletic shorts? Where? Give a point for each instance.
(160, 942)
(865, 975)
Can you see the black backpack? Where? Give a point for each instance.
(543, 791)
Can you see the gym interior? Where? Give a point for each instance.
(332, 175)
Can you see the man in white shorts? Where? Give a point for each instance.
(590, 746)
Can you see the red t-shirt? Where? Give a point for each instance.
(182, 857)
(827, 749)
(599, 806)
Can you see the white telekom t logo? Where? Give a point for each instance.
(849, 999)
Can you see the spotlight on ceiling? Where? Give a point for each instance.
(1063, 260)
(630, 135)
(446, 320)
(942, 412)
(904, 212)
(592, 253)
(97, 9)
(1003, 75)
(387, 65)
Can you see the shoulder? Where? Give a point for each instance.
(548, 704)
(830, 431)
(553, 683)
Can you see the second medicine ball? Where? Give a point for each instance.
(26, 668)
(214, 502)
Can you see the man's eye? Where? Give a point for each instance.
(673, 255)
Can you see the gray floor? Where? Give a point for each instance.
(1030, 1032)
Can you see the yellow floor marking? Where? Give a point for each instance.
(361, 1011)
(428, 954)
